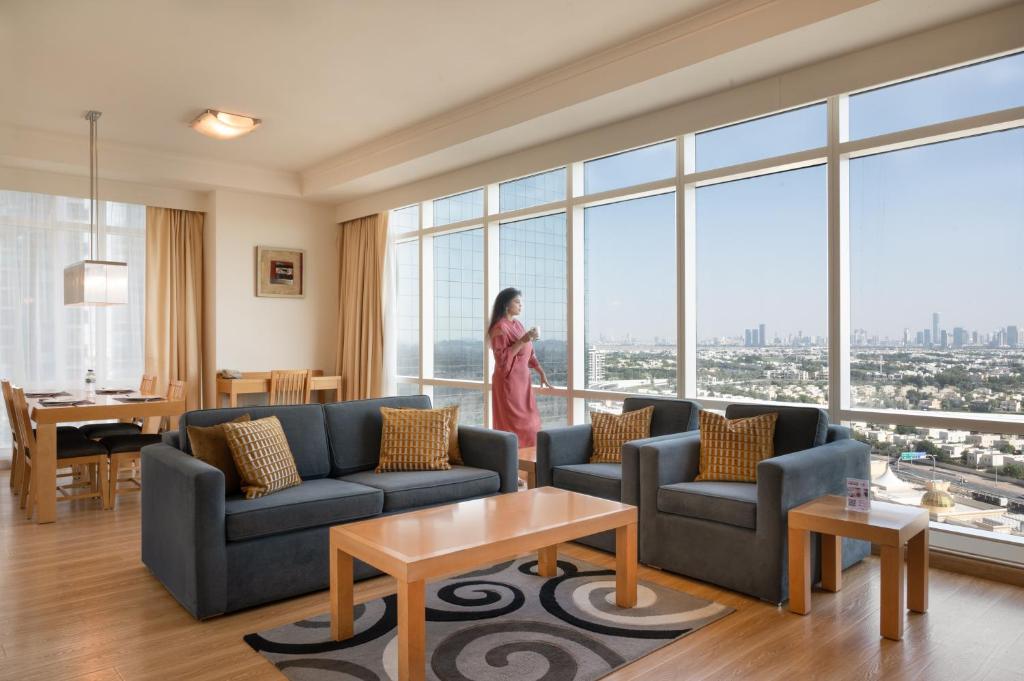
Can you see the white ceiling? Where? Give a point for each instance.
(324, 75)
(358, 96)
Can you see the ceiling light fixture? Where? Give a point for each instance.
(224, 126)
(91, 281)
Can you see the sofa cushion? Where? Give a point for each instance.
(730, 449)
(596, 479)
(261, 454)
(610, 431)
(404, 490)
(731, 503)
(414, 440)
(797, 428)
(303, 426)
(354, 430)
(670, 415)
(312, 504)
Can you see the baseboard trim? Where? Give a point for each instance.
(992, 570)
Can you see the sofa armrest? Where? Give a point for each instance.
(784, 482)
(836, 432)
(172, 438)
(562, 447)
(183, 539)
(631, 463)
(494, 450)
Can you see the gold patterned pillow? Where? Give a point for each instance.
(611, 431)
(731, 449)
(414, 440)
(262, 456)
(454, 453)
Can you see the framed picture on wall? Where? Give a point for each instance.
(280, 272)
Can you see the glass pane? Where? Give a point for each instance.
(409, 389)
(762, 315)
(532, 191)
(968, 91)
(554, 411)
(471, 403)
(646, 164)
(936, 234)
(630, 295)
(459, 207)
(405, 219)
(979, 471)
(604, 406)
(533, 261)
(407, 262)
(783, 133)
(459, 304)
(125, 326)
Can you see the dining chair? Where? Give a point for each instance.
(126, 450)
(73, 450)
(15, 479)
(289, 386)
(96, 431)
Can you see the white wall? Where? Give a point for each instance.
(249, 333)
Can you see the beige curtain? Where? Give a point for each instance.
(362, 244)
(174, 299)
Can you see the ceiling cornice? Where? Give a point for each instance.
(718, 30)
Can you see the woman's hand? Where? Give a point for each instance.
(544, 382)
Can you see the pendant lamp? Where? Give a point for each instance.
(94, 282)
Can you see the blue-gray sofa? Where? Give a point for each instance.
(218, 554)
(563, 457)
(733, 534)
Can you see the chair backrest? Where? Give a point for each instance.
(147, 385)
(670, 415)
(797, 428)
(21, 423)
(175, 391)
(8, 393)
(289, 386)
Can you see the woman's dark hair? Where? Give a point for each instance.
(501, 302)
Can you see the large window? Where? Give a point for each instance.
(630, 296)
(866, 267)
(459, 304)
(42, 343)
(532, 255)
(762, 314)
(936, 237)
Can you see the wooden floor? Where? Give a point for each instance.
(77, 603)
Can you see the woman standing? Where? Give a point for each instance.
(512, 400)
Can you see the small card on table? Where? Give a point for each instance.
(858, 494)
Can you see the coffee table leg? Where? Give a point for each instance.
(799, 571)
(412, 631)
(831, 562)
(917, 572)
(625, 566)
(341, 594)
(547, 561)
(892, 592)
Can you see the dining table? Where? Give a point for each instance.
(89, 407)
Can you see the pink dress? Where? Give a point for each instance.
(512, 400)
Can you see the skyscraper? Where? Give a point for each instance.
(935, 327)
(1012, 337)
(762, 335)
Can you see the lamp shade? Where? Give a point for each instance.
(223, 125)
(96, 282)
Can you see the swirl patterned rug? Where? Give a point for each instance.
(502, 622)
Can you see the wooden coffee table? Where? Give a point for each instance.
(891, 526)
(436, 542)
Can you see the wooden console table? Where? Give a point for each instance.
(258, 382)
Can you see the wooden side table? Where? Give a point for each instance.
(891, 526)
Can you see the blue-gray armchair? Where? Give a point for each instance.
(563, 457)
(733, 534)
